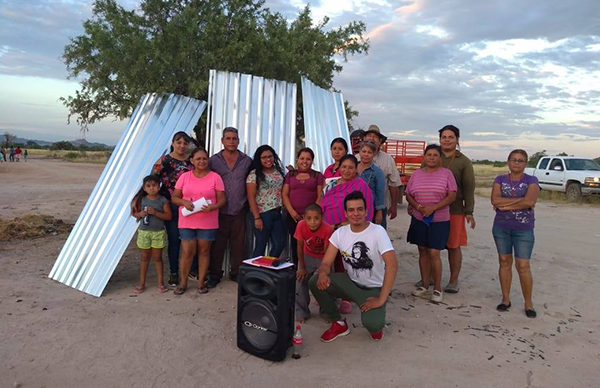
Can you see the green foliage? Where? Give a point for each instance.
(493, 163)
(62, 145)
(535, 158)
(562, 154)
(597, 160)
(169, 46)
(71, 155)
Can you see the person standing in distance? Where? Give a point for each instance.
(233, 167)
(387, 164)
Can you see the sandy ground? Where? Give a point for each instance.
(54, 336)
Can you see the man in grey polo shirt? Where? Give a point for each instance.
(387, 164)
(233, 166)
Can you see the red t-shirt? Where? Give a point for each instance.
(314, 242)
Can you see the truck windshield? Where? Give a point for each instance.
(582, 165)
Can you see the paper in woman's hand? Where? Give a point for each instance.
(198, 204)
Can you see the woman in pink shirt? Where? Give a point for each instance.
(197, 230)
(339, 149)
(430, 192)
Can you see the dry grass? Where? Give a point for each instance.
(72, 156)
(31, 226)
(485, 174)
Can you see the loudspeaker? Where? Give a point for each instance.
(265, 316)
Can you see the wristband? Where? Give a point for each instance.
(256, 219)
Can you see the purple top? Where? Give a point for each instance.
(234, 181)
(303, 192)
(523, 219)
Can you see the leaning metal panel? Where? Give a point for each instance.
(105, 226)
(263, 111)
(324, 120)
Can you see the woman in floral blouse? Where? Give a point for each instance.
(263, 186)
(169, 168)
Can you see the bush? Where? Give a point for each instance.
(71, 155)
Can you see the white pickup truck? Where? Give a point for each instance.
(571, 175)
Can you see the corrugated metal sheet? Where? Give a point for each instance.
(263, 111)
(105, 227)
(324, 120)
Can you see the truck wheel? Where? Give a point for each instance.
(573, 192)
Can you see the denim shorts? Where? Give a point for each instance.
(197, 234)
(521, 240)
(434, 236)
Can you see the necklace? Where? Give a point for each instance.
(513, 189)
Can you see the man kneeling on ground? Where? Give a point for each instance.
(371, 267)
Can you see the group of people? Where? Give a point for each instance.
(336, 219)
(14, 154)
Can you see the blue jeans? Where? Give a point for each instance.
(274, 230)
(521, 241)
(174, 246)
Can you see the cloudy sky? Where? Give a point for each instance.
(508, 73)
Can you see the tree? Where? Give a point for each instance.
(8, 138)
(63, 145)
(169, 46)
(535, 158)
(562, 154)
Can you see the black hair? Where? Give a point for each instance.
(180, 135)
(340, 140)
(257, 165)
(450, 128)
(137, 198)
(349, 157)
(518, 151)
(196, 150)
(354, 196)
(433, 147)
(313, 207)
(306, 149)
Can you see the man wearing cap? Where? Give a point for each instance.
(387, 164)
(356, 139)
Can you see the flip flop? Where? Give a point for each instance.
(179, 290)
(503, 307)
(202, 290)
(530, 313)
(139, 290)
(163, 289)
(451, 288)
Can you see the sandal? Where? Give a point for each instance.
(179, 290)
(503, 307)
(202, 290)
(139, 290)
(530, 313)
(163, 289)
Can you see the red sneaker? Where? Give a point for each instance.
(336, 330)
(377, 336)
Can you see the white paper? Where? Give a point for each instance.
(197, 206)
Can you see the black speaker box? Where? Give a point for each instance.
(265, 315)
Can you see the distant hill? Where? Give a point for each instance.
(76, 143)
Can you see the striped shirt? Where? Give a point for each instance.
(333, 200)
(429, 188)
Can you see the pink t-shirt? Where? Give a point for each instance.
(193, 189)
(329, 172)
(429, 188)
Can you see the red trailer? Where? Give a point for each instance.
(408, 155)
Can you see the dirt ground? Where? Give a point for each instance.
(54, 336)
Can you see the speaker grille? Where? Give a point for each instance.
(259, 325)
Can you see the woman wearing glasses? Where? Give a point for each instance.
(514, 196)
(263, 186)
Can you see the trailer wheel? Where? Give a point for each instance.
(573, 192)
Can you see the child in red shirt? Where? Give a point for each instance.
(313, 235)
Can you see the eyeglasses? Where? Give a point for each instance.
(517, 160)
(267, 157)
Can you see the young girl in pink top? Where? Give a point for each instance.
(339, 149)
(198, 230)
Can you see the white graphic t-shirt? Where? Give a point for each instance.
(361, 253)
